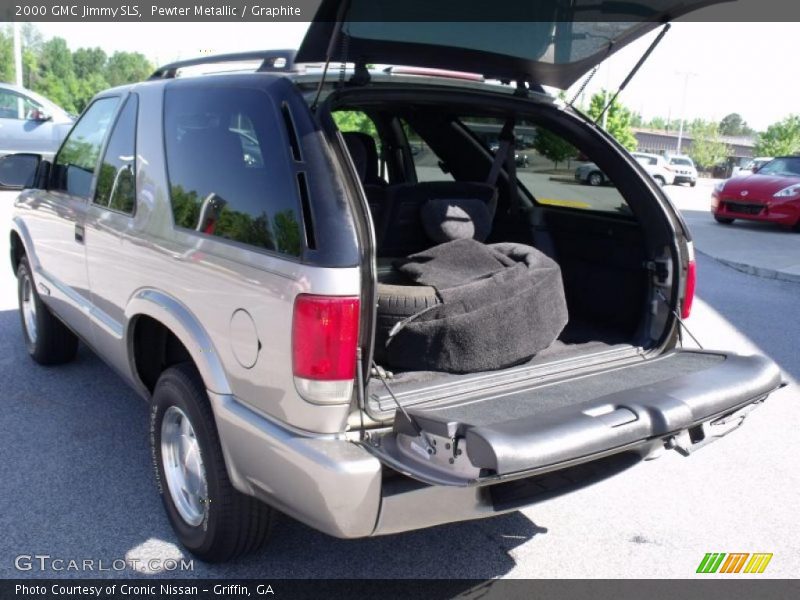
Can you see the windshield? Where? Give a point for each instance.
(681, 161)
(785, 167)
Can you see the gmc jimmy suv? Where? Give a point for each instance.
(232, 244)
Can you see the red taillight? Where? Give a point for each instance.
(324, 337)
(688, 296)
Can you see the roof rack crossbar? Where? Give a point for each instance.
(281, 61)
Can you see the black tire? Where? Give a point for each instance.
(398, 301)
(660, 180)
(723, 220)
(47, 339)
(233, 524)
(595, 178)
(692, 183)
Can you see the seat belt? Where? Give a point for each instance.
(506, 139)
(542, 239)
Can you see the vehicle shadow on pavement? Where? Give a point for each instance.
(78, 485)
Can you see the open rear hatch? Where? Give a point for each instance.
(686, 398)
(542, 42)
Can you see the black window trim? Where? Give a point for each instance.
(104, 149)
(100, 156)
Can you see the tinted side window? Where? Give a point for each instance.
(228, 168)
(76, 161)
(116, 181)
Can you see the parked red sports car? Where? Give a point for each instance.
(771, 194)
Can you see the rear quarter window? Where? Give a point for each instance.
(228, 167)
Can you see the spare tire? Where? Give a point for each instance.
(398, 300)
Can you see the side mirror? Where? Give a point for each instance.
(40, 115)
(19, 171)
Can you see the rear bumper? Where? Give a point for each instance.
(324, 481)
(339, 488)
(342, 489)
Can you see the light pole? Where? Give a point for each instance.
(686, 75)
(605, 95)
(17, 54)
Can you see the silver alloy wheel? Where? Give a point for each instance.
(183, 466)
(29, 308)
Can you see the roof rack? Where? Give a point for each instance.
(281, 61)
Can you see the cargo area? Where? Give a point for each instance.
(614, 260)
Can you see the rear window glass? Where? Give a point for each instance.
(551, 169)
(228, 165)
(540, 30)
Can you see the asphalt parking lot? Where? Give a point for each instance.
(77, 482)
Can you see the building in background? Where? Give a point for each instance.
(666, 142)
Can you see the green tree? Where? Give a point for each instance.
(57, 79)
(127, 67)
(354, 120)
(697, 124)
(88, 61)
(707, 148)
(657, 123)
(734, 124)
(618, 119)
(553, 146)
(780, 138)
(6, 55)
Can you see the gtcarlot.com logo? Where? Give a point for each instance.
(45, 562)
(734, 562)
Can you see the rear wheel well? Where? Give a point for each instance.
(155, 348)
(17, 251)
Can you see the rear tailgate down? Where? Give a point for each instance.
(525, 431)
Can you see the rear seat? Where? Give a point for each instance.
(402, 232)
(396, 208)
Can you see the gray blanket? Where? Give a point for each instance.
(501, 304)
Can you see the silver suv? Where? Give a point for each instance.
(233, 254)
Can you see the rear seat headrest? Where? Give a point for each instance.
(445, 220)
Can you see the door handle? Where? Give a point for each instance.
(80, 231)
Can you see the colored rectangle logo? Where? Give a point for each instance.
(734, 562)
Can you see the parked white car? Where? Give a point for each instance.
(656, 165)
(752, 166)
(30, 122)
(683, 168)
